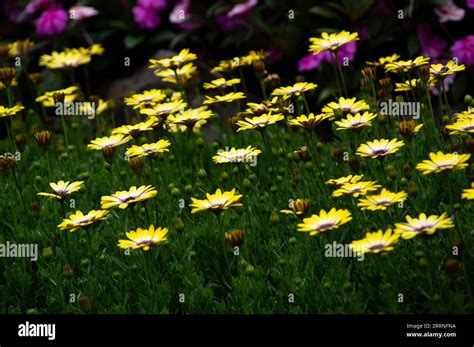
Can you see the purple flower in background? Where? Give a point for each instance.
(227, 24)
(344, 53)
(153, 5)
(145, 18)
(470, 3)
(53, 21)
(431, 45)
(463, 50)
(180, 12)
(310, 62)
(82, 12)
(449, 12)
(242, 8)
(35, 5)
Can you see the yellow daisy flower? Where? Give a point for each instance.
(343, 180)
(385, 60)
(147, 98)
(148, 149)
(183, 57)
(221, 83)
(296, 89)
(191, 116)
(216, 202)
(253, 57)
(266, 106)
(226, 65)
(440, 162)
(109, 141)
(144, 238)
(379, 148)
(406, 65)
(241, 155)
(423, 225)
(61, 189)
(10, 111)
(331, 42)
(438, 71)
(78, 220)
(468, 193)
(163, 110)
(356, 189)
(345, 106)
(317, 224)
(20, 48)
(462, 125)
(308, 122)
(407, 85)
(376, 242)
(68, 59)
(298, 207)
(356, 121)
(259, 122)
(408, 128)
(94, 49)
(381, 201)
(184, 74)
(70, 95)
(134, 130)
(124, 198)
(224, 98)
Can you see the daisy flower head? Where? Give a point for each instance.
(440, 162)
(125, 198)
(298, 207)
(68, 59)
(191, 117)
(259, 122)
(408, 85)
(136, 129)
(144, 238)
(356, 189)
(147, 98)
(253, 57)
(109, 141)
(343, 180)
(324, 221)
(384, 60)
(19, 48)
(381, 201)
(148, 149)
(227, 98)
(227, 65)
(221, 83)
(439, 71)
(379, 148)
(163, 110)
(48, 100)
(296, 89)
(78, 220)
(468, 193)
(10, 111)
(357, 121)
(241, 155)
(345, 106)
(376, 242)
(217, 202)
(61, 189)
(406, 65)
(408, 128)
(180, 75)
(331, 42)
(461, 125)
(423, 225)
(308, 122)
(174, 62)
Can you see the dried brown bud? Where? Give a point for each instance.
(7, 74)
(369, 73)
(299, 79)
(338, 153)
(108, 153)
(35, 209)
(272, 81)
(43, 138)
(8, 162)
(354, 164)
(235, 237)
(304, 154)
(36, 78)
(407, 128)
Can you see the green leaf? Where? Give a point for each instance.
(324, 12)
(131, 41)
(162, 36)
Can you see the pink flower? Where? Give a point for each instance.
(53, 21)
(36, 5)
(145, 18)
(227, 24)
(153, 5)
(310, 62)
(470, 3)
(82, 12)
(449, 12)
(180, 12)
(431, 45)
(463, 50)
(242, 8)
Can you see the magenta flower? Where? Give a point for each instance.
(463, 50)
(227, 24)
(145, 18)
(310, 62)
(431, 45)
(52, 22)
(449, 12)
(242, 8)
(153, 5)
(470, 3)
(35, 5)
(82, 12)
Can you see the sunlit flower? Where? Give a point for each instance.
(253, 57)
(134, 130)
(379, 148)
(221, 83)
(381, 201)
(241, 155)
(148, 149)
(356, 189)
(407, 85)
(147, 98)
(184, 74)
(70, 58)
(423, 225)
(440, 162)
(343, 180)
(463, 125)
(216, 202)
(440, 70)
(266, 106)
(406, 65)
(124, 198)
(61, 189)
(259, 123)
(163, 110)
(226, 65)
(183, 57)
(468, 193)
(345, 106)
(144, 238)
(20, 48)
(385, 60)
(356, 121)
(109, 141)
(70, 95)
(296, 89)
(324, 221)
(78, 220)
(331, 42)
(190, 117)
(10, 111)
(298, 207)
(376, 242)
(308, 122)
(230, 97)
